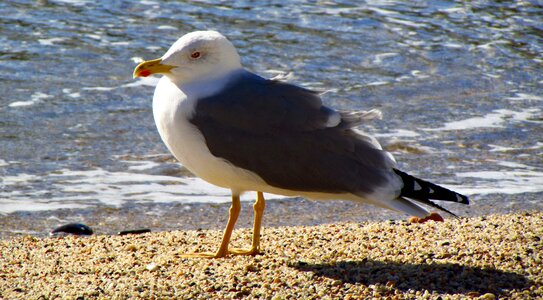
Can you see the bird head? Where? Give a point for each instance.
(196, 55)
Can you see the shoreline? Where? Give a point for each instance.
(494, 256)
(104, 219)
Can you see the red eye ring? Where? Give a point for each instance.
(195, 54)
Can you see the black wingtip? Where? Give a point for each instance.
(419, 189)
(423, 191)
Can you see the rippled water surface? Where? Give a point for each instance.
(459, 83)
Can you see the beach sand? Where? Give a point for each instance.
(487, 257)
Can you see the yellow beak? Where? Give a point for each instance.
(150, 67)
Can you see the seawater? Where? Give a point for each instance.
(459, 84)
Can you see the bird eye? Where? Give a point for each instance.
(195, 54)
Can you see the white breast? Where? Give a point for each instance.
(172, 108)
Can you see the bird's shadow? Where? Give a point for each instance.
(446, 278)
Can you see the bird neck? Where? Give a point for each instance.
(208, 86)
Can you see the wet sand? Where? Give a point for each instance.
(488, 257)
(192, 216)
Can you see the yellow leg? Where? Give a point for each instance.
(223, 249)
(258, 207)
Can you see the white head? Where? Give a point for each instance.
(196, 55)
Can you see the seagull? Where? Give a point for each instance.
(243, 132)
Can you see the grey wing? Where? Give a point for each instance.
(284, 134)
(250, 101)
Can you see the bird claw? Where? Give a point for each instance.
(240, 251)
(204, 255)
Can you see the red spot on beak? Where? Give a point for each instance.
(144, 73)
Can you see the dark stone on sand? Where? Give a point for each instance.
(135, 231)
(73, 228)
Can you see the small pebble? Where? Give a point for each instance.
(152, 267)
(251, 268)
(488, 296)
(73, 228)
(131, 248)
